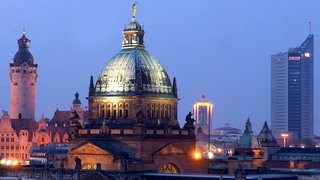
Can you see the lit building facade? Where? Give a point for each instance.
(292, 106)
(132, 121)
(203, 115)
(19, 132)
(13, 144)
(23, 76)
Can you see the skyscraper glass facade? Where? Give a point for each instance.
(292, 92)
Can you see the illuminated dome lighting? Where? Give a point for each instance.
(133, 71)
(133, 87)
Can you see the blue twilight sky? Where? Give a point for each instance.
(219, 48)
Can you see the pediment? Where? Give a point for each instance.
(169, 149)
(95, 175)
(90, 149)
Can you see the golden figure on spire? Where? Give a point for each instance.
(134, 9)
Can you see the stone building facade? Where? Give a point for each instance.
(19, 136)
(132, 120)
(19, 132)
(23, 77)
(13, 144)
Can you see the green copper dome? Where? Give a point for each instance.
(133, 71)
(248, 140)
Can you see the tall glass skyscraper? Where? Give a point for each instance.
(292, 93)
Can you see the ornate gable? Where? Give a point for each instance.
(96, 175)
(89, 149)
(169, 149)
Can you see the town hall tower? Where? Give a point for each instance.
(23, 76)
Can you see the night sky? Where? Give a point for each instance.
(220, 49)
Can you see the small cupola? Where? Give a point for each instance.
(23, 42)
(133, 33)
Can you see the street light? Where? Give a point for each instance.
(284, 135)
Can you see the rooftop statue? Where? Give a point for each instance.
(189, 121)
(134, 10)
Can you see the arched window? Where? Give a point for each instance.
(170, 168)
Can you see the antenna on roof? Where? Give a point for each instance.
(310, 24)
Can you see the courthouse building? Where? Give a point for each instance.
(132, 121)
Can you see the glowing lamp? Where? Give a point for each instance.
(197, 155)
(8, 162)
(15, 163)
(284, 135)
(3, 161)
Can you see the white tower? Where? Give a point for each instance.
(23, 76)
(203, 115)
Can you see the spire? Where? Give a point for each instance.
(310, 25)
(91, 86)
(247, 140)
(266, 138)
(24, 29)
(174, 88)
(248, 127)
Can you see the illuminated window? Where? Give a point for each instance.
(295, 58)
(307, 54)
(170, 168)
(89, 166)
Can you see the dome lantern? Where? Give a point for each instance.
(23, 54)
(133, 33)
(133, 87)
